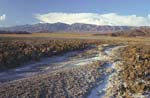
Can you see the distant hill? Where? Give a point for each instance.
(14, 32)
(62, 27)
(141, 31)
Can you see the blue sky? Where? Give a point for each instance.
(16, 12)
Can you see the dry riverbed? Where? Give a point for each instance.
(78, 74)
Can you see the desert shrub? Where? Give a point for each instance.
(13, 53)
(136, 73)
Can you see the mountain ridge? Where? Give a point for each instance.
(63, 27)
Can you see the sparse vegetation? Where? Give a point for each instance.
(16, 52)
(136, 73)
(74, 82)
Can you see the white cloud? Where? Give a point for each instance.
(93, 18)
(2, 17)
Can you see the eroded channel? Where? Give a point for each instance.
(109, 72)
(103, 53)
(49, 65)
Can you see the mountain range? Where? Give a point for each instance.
(62, 27)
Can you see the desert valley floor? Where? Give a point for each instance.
(56, 66)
